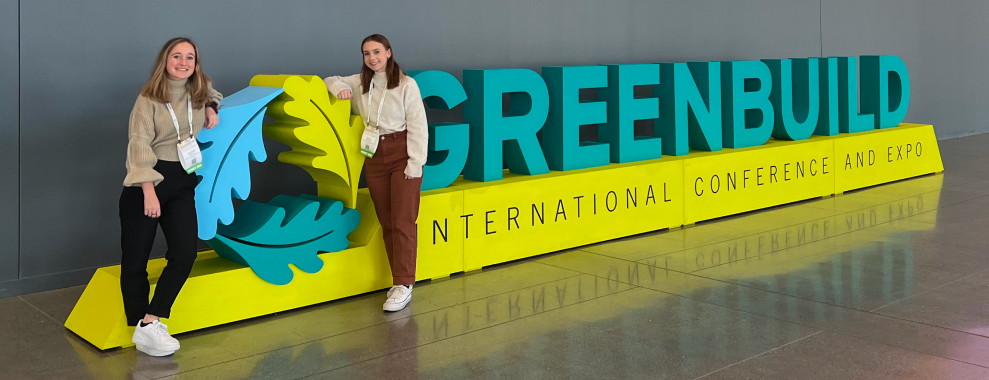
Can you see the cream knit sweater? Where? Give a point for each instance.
(402, 110)
(151, 135)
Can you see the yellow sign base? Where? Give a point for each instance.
(470, 225)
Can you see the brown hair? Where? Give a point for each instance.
(392, 69)
(156, 88)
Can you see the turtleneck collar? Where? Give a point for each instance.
(380, 78)
(177, 89)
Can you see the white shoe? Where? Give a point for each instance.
(398, 297)
(154, 340)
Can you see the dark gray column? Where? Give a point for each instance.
(9, 126)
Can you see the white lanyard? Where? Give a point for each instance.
(175, 120)
(381, 103)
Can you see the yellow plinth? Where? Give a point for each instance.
(470, 225)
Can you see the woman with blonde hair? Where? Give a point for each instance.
(162, 155)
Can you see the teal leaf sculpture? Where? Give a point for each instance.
(226, 150)
(287, 230)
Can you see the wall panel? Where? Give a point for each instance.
(81, 65)
(9, 171)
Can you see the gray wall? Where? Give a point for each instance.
(943, 43)
(8, 143)
(81, 64)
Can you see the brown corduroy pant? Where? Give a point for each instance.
(396, 202)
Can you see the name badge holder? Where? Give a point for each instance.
(190, 156)
(369, 141)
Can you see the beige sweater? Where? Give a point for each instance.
(152, 137)
(402, 110)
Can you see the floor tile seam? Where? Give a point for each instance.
(742, 311)
(675, 294)
(960, 188)
(939, 208)
(888, 344)
(963, 160)
(774, 229)
(759, 354)
(860, 337)
(576, 274)
(924, 222)
(930, 325)
(964, 164)
(313, 340)
(806, 243)
(640, 262)
(619, 259)
(632, 286)
(959, 246)
(967, 170)
(781, 294)
(754, 313)
(967, 249)
(35, 307)
(955, 203)
(462, 334)
(883, 185)
(599, 254)
(695, 273)
(830, 330)
(877, 310)
(871, 312)
(133, 367)
(787, 226)
(21, 298)
(880, 186)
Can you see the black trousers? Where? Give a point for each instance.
(176, 194)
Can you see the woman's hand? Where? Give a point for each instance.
(212, 119)
(152, 208)
(345, 94)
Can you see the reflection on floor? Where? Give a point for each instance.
(886, 282)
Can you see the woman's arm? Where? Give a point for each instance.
(343, 87)
(214, 95)
(141, 158)
(212, 117)
(418, 130)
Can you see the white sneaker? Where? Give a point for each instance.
(398, 297)
(154, 340)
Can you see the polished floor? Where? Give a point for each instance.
(890, 282)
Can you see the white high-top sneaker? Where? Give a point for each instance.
(154, 339)
(398, 297)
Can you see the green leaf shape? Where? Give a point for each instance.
(324, 136)
(287, 230)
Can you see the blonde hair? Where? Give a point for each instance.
(156, 88)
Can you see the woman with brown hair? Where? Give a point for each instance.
(162, 154)
(395, 140)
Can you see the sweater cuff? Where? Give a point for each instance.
(413, 170)
(138, 176)
(333, 85)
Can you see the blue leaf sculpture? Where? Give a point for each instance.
(288, 230)
(226, 151)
